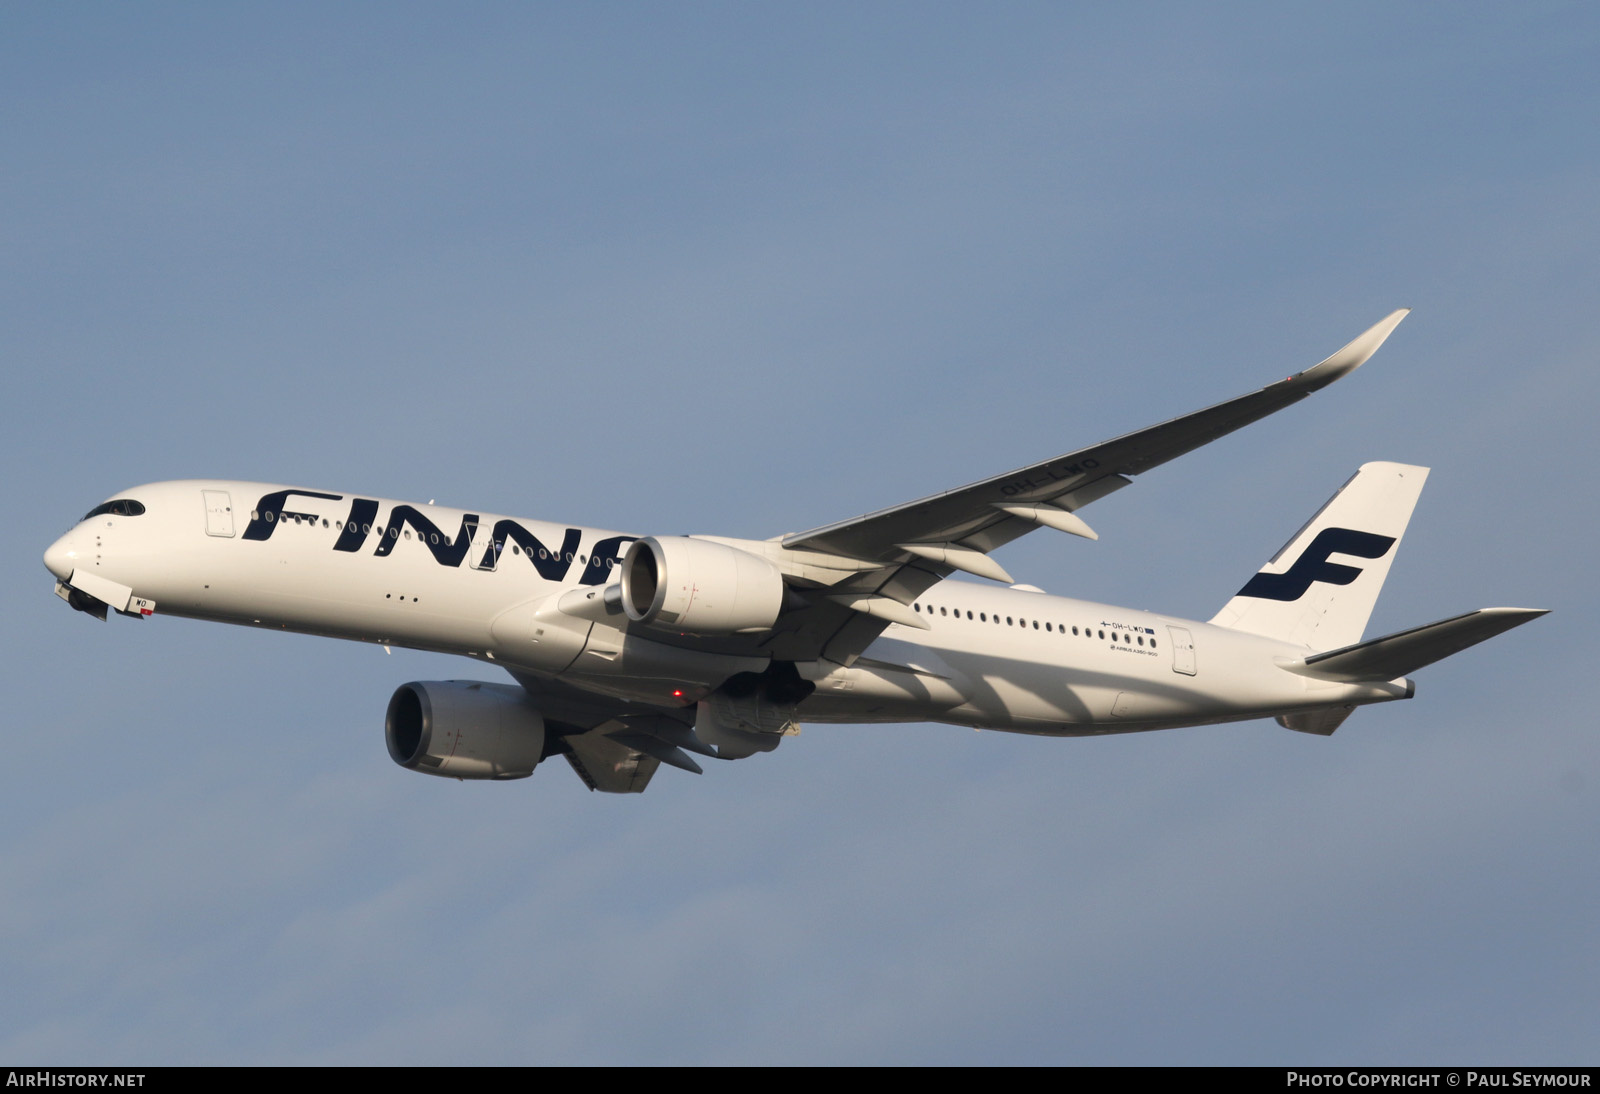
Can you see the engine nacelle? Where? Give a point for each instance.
(462, 729)
(698, 586)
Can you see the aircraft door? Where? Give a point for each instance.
(1182, 650)
(219, 512)
(484, 554)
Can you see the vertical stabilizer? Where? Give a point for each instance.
(1319, 590)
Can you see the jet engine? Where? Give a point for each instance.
(462, 729)
(695, 585)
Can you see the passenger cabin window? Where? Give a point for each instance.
(122, 507)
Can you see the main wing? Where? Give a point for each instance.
(921, 542)
(978, 516)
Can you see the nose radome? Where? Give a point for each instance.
(59, 559)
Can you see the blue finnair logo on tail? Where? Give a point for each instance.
(1313, 564)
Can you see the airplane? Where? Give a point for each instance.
(632, 651)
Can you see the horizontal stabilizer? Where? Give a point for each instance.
(1395, 655)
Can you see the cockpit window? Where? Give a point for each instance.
(121, 507)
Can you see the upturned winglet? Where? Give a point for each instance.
(1354, 355)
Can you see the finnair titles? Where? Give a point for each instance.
(625, 651)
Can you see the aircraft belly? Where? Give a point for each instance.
(1035, 694)
(875, 690)
(1088, 684)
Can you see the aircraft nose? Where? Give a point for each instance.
(61, 558)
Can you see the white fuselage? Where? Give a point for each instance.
(484, 586)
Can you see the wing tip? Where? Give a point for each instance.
(1522, 615)
(1354, 354)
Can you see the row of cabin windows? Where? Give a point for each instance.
(1055, 628)
(393, 533)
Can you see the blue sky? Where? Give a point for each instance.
(743, 270)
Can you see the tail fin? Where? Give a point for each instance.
(1302, 595)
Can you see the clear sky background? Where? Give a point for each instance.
(741, 269)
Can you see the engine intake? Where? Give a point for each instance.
(699, 586)
(462, 729)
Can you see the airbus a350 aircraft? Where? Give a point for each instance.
(629, 651)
